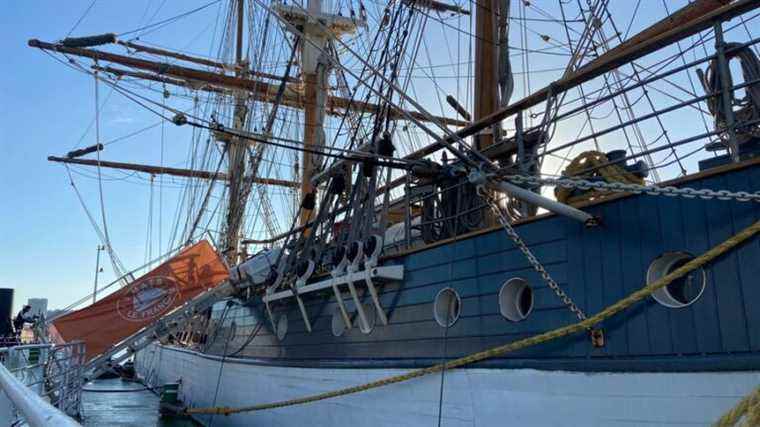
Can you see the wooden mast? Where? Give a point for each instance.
(486, 80)
(315, 28)
(236, 151)
(316, 93)
(310, 137)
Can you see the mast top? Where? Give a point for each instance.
(325, 23)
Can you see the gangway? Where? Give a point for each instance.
(161, 328)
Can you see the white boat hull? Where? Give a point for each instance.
(471, 397)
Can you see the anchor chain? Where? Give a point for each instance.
(534, 262)
(619, 187)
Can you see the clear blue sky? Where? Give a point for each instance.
(47, 245)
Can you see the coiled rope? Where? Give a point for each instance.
(749, 107)
(561, 332)
(593, 165)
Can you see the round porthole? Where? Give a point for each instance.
(447, 307)
(282, 327)
(683, 291)
(338, 324)
(516, 299)
(369, 312)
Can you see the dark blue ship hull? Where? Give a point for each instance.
(595, 266)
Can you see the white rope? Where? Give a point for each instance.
(117, 268)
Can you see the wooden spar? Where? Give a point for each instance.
(596, 68)
(335, 105)
(176, 55)
(156, 78)
(437, 6)
(486, 83)
(262, 91)
(176, 71)
(163, 170)
(680, 17)
(458, 107)
(196, 60)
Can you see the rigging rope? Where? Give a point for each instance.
(129, 275)
(149, 232)
(698, 262)
(81, 18)
(224, 352)
(117, 267)
(170, 20)
(93, 222)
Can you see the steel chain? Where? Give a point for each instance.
(534, 262)
(686, 192)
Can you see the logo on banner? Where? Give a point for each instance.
(148, 299)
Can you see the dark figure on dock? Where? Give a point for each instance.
(21, 318)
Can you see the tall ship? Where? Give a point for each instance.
(435, 212)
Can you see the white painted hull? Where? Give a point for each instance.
(471, 397)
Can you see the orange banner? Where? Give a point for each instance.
(126, 311)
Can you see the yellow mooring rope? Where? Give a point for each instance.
(582, 326)
(749, 408)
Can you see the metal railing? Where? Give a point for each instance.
(42, 384)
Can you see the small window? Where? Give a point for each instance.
(282, 327)
(683, 291)
(447, 307)
(338, 324)
(516, 299)
(369, 312)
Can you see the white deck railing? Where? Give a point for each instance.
(32, 376)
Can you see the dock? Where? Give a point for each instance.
(115, 402)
